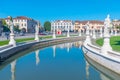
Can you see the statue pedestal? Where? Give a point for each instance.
(94, 36)
(79, 33)
(54, 36)
(37, 37)
(88, 40)
(106, 46)
(12, 40)
(68, 35)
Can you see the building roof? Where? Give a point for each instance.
(90, 21)
(63, 21)
(20, 17)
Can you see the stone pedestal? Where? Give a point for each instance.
(94, 35)
(101, 33)
(79, 32)
(37, 37)
(54, 36)
(12, 40)
(68, 33)
(91, 32)
(115, 32)
(106, 45)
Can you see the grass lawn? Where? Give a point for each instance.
(17, 40)
(5, 42)
(114, 42)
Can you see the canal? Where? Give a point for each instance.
(58, 62)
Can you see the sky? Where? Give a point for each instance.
(50, 10)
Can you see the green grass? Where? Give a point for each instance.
(5, 42)
(17, 40)
(114, 42)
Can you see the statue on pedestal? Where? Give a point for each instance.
(106, 46)
(37, 32)
(12, 40)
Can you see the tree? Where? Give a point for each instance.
(16, 28)
(47, 26)
(5, 26)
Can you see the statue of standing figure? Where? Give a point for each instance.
(107, 24)
(11, 24)
(12, 38)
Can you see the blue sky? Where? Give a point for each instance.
(61, 9)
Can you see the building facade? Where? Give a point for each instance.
(24, 23)
(1, 27)
(81, 25)
(62, 25)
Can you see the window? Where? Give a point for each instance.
(24, 24)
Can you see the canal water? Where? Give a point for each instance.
(59, 62)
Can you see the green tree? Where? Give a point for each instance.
(16, 28)
(5, 26)
(47, 26)
(3, 22)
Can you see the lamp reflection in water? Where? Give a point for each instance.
(87, 70)
(54, 51)
(13, 67)
(37, 57)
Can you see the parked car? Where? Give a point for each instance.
(22, 34)
(43, 33)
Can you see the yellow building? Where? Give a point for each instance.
(94, 24)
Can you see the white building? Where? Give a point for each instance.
(24, 23)
(62, 25)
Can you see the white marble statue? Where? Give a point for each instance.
(12, 39)
(106, 45)
(37, 33)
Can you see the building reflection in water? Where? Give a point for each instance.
(37, 57)
(87, 70)
(13, 67)
(54, 51)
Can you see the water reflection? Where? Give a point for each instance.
(87, 70)
(54, 51)
(37, 52)
(50, 66)
(105, 74)
(13, 67)
(103, 77)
